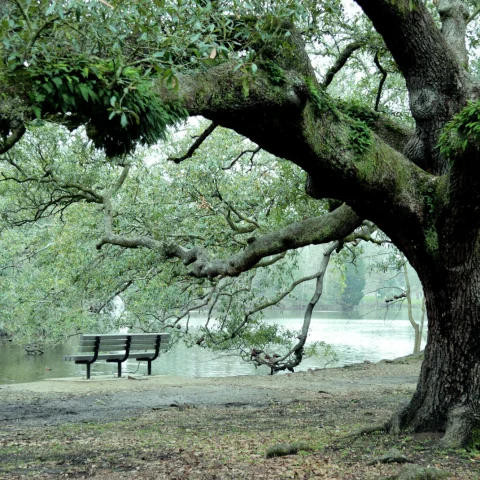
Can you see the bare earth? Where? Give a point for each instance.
(56, 401)
(213, 428)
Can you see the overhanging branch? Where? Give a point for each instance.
(195, 145)
(349, 50)
(329, 227)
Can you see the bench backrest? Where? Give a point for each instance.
(118, 342)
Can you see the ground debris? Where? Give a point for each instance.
(282, 449)
(392, 456)
(417, 472)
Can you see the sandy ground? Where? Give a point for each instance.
(71, 400)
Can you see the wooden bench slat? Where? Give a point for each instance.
(106, 345)
(141, 355)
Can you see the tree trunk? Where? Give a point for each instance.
(448, 391)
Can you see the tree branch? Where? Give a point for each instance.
(324, 229)
(348, 51)
(455, 17)
(24, 15)
(384, 74)
(12, 139)
(474, 14)
(240, 155)
(297, 351)
(195, 145)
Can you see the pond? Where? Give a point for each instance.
(372, 337)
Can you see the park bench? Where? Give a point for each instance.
(117, 348)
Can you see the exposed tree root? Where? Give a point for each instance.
(382, 427)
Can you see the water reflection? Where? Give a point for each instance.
(354, 340)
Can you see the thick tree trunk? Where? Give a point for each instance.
(448, 392)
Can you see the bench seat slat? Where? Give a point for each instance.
(121, 341)
(142, 355)
(104, 356)
(102, 347)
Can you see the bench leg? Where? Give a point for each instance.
(88, 371)
(119, 369)
(149, 367)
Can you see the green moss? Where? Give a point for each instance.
(283, 449)
(355, 134)
(431, 241)
(358, 111)
(321, 99)
(276, 74)
(369, 163)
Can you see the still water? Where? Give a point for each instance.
(371, 337)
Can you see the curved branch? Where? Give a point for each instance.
(297, 350)
(382, 80)
(240, 155)
(25, 16)
(474, 14)
(276, 300)
(348, 51)
(12, 139)
(195, 145)
(329, 227)
(324, 229)
(270, 261)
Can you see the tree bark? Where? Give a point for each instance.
(447, 398)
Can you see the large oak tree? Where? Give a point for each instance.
(128, 72)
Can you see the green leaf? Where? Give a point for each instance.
(84, 90)
(57, 81)
(194, 38)
(123, 120)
